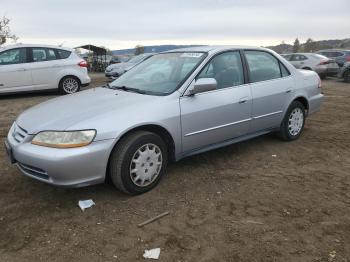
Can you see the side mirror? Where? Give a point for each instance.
(203, 85)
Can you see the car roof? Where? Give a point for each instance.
(34, 45)
(214, 48)
(334, 50)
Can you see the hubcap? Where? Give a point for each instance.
(70, 85)
(296, 121)
(145, 165)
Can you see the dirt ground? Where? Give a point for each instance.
(238, 203)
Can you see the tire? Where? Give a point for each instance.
(69, 85)
(323, 76)
(347, 76)
(149, 169)
(288, 131)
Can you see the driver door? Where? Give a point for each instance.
(15, 74)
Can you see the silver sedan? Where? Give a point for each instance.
(310, 61)
(193, 100)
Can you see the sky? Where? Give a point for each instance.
(119, 24)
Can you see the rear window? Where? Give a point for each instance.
(63, 54)
(319, 56)
(262, 66)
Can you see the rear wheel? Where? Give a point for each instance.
(69, 85)
(293, 122)
(347, 76)
(323, 76)
(138, 162)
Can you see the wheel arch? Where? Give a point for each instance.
(154, 128)
(302, 100)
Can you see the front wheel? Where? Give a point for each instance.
(293, 122)
(138, 162)
(69, 85)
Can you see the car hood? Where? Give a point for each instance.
(68, 112)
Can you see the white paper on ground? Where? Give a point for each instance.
(83, 204)
(152, 253)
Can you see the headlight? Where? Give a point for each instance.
(64, 139)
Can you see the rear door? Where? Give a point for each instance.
(14, 70)
(271, 86)
(44, 67)
(211, 117)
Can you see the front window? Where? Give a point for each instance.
(161, 74)
(13, 56)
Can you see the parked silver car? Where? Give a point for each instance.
(113, 71)
(129, 130)
(310, 61)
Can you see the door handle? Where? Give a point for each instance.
(1, 84)
(289, 91)
(243, 100)
(21, 69)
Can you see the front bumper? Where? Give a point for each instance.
(75, 167)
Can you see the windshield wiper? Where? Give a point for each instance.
(126, 88)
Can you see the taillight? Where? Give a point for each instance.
(83, 64)
(324, 62)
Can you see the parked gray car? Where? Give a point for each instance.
(129, 130)
(113, 71)
(310, 61)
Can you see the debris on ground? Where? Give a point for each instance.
(153, 219)
(274, 155)
(152, 253)
(84, 204)
(332, 255)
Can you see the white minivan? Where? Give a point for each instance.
(38, 67)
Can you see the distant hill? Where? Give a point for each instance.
(151, 49)
(322, 44)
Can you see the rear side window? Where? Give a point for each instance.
(13, 56)
(63, 54)
(51, 55)
(262, 66)
(39, 54)
(226, 68)
(284, 70)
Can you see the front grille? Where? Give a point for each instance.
(19, 133)
(34, 171)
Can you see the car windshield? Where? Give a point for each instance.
(161, 74)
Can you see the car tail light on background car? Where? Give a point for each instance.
(325, 62)
(83, 64)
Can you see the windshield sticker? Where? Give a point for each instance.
(195, 55)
